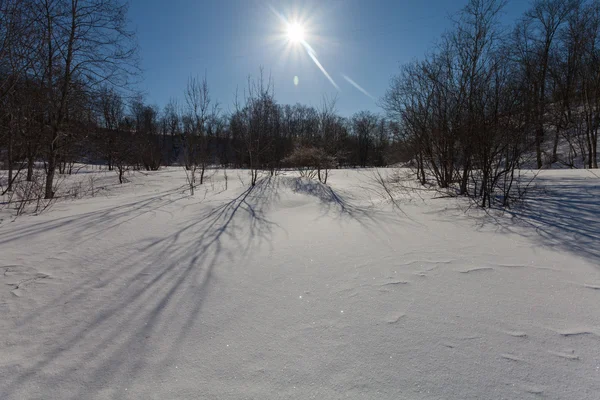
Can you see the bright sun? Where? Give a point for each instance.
(295, 33)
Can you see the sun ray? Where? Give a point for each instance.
(313, 56)
(357, 86)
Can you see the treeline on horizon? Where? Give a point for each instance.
(464, 116)
(488, 95)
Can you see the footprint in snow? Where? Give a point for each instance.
(468, 271)
(576, 332)
(395, 318)
(20, 281)
(533, 390)
(513, 266)
(517, 334)
(385, 287)
(511, 357)
(394, 283)
(569, 355)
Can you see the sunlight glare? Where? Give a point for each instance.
(295, 33)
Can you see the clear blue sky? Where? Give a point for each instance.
(228, 40)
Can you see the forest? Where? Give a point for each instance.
(466, 117)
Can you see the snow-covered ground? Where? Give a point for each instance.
(295, 290)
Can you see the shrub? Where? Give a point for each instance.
(311, 162)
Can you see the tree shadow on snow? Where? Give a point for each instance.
(563, 215)
(133, 305)
(336, 202)
(343, 205)
(140, 311)
(103, 220)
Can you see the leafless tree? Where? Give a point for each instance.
(171, 127)
(460, 109)
(17, 52)
(195, 133)
(534, 40)
(311, 162)
(257, 123)
(364, 125)
(84, 43)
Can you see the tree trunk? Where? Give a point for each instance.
(588, 137)
(192, 180)
(555, 147)
(202, 174)
(51, 169)
(421, 168)
(465, 179)
(30, 161)
(539, 137)
(10, 159)
(595, 150)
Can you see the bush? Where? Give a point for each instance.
(311, 162)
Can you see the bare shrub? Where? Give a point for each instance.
(28, 196)
(311, 162)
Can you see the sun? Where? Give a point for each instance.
(295, 33)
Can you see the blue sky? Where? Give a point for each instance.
(366, 40)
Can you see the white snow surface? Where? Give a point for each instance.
(296, 290)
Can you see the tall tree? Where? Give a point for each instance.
(85, 43)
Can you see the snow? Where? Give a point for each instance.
(299, 290)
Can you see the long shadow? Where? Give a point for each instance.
(157, 292)
(107, 218)
(342, 205)
(146, 294)
(328, 197)
(562, 215)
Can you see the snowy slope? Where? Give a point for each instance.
(297, 290)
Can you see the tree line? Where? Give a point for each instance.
(488, 95)
(66, 69)
(465, 116)
(54, 57)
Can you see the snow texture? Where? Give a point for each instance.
(299, 290)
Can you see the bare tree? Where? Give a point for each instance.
(84, 43)
(364, 125)
(534, 40)
(257, 123)
(112, 111)
(590, 82)
(171, 125)
(197, 101)
(311, 162)
(17, 51)
(460, 109)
